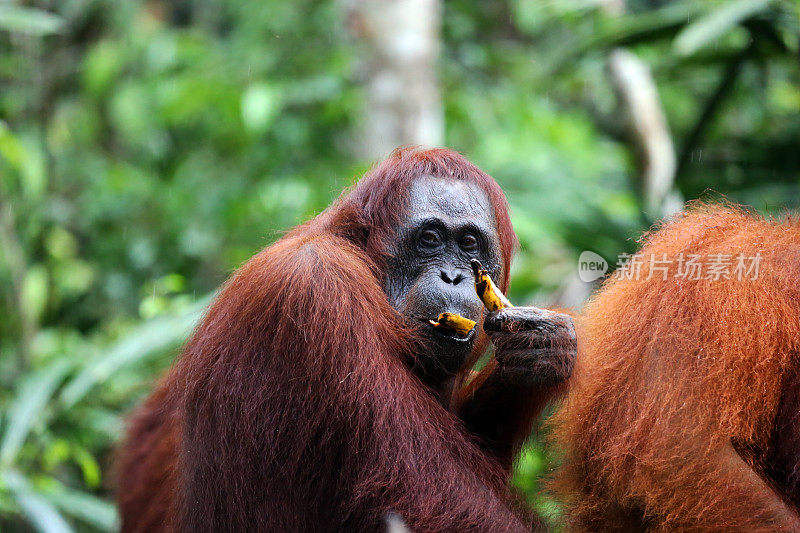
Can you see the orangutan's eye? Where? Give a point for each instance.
(429, 239)
(468, 243)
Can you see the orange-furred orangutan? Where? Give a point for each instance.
(684, 413)
(315, 393)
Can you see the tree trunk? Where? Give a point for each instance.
(400, 49)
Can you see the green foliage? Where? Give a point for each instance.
(534, 463)
(149, 148)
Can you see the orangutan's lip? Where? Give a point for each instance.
(450, 335)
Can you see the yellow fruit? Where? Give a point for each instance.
(487, 291)
(457, 323)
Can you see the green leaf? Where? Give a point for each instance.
(11, 150)
(151, 337)
(40, 512)
(715, 24)
(89, 467)
(260, 106)
(30, 400)
(28, 20)
(34, 291)
(33, 173)
(102, 65)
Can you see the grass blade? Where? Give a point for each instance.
(715, 24)
(42, 515)
(31, 399)
(88, 508)
(153, 336)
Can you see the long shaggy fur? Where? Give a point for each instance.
(671, 371)
(291, 407)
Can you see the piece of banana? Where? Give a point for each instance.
(457, 323)
(487, 291)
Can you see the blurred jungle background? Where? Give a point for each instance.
(148, 148)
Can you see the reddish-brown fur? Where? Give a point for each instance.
(683, 412)
(291, 408)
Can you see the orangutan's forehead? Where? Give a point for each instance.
(440, 196)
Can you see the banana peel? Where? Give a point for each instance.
(455, 322)
(488, 292)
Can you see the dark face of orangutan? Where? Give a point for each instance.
(447, 224)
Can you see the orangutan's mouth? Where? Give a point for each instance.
(449, 334)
